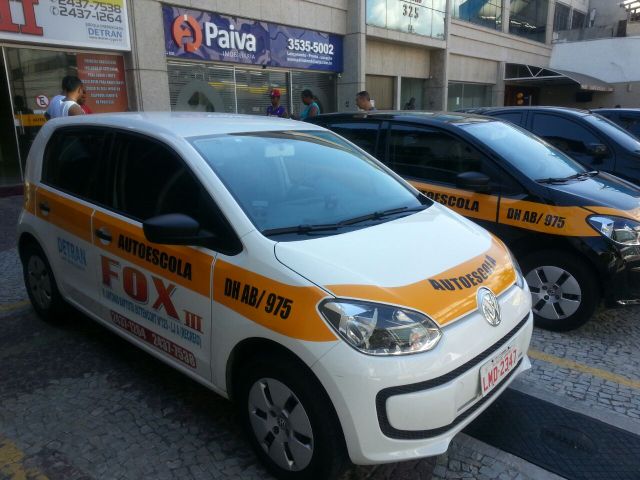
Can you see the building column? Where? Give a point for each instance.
(353, 78)
(146, 66)
(436, 88)
(497, 93)
(506, 15)
(549, 28)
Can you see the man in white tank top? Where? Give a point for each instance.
(67, 105)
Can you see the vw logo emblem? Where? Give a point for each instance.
(488, 306)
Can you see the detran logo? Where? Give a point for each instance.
(185, 26)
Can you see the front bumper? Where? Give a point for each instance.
(400, 408)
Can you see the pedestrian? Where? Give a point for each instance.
(68, 104)
(82, 101)
(312, 108)
(363, 101)
(275, 109)
(411, 104)
(55, 106)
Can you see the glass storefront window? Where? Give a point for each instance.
(35, 77)
(412, 16)
(412, 88)
(528, 19)
(487, 13)
(215, 88)
(468, 95)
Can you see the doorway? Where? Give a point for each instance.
(10, 165)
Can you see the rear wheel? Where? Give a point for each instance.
(564, 291)
(290, 421)
(41, 284)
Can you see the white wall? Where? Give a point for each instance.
(613, 60)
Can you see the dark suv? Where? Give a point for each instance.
(587, 137)
(575, 231)
(627, 118)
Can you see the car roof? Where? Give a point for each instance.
(568, 110)
(624, 110)
(185, 124)
(429, 118)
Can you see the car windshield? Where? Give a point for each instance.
(531, 155)
(614, 131)
(297, 182)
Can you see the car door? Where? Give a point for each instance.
(574, 139)
(431, 159)
(158, 295)
(71, 186)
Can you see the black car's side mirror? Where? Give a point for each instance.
(597, 149)
(175, 229)
(475, 181)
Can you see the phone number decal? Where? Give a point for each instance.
(158, 341)
(85, 9)
(309, 46)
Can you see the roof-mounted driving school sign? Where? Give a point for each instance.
(201, 35)
(77, 23)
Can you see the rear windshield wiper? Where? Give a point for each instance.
(578, 176)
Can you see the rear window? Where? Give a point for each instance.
(72, 162)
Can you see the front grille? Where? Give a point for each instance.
(383, 395)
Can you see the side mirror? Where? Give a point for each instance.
(175, 229)
(597, 149)
(474, 181)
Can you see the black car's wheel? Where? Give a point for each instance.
(41, 284)
(289, 420)
(564, 290)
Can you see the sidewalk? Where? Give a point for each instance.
(12, 293)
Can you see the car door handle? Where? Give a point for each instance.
(103, 234)
(44, 208)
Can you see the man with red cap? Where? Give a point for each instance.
(275, 109)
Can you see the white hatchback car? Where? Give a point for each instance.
(346, 315)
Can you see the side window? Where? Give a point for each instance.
(363, 134)
(563, 134)
(630, 123)
(150, 179)
(431, 155)
(72, 162)
(513, 117)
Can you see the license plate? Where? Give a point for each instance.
(492, 372)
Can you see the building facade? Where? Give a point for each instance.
(228, 55)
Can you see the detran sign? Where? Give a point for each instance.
(208, 36)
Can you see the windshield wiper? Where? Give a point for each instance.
(381, 214)
(305, 229)
(300, 229)
(577, 176)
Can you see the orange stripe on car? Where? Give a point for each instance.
(469, 204)
(183, 265)
(445, 296)
(286, 309)
(71, 216)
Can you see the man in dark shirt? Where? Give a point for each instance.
(275, 109)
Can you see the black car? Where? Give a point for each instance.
(627, 118)
(587, 137)
(575, 231)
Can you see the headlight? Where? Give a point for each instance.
(621, 230)
(378, 329)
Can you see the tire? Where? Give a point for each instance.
(289, 420)
(564, 290)
(41, 284)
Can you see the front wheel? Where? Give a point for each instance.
(290, 421)
(564, 291)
